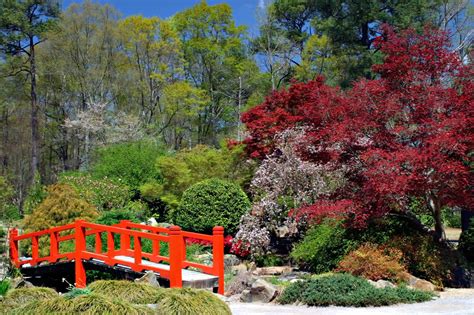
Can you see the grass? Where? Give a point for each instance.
(114, 297)
(191, 302)
(347, 290)
(84, 304)
(132, 292)
(25, 295)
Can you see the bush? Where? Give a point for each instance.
(466, 242)
(4, 286)
(131, 292)
(190, 166)
(373, 262)
(210, 203)
(63, 205)
(347, 290)
(8, 211)
(104, 193)
(323, 247)
(133, 164)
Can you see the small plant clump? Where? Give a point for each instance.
(347, 290)
(374, 262)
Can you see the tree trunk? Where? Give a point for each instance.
(435, 206)
(35, 138)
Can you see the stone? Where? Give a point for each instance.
(20, 283)
(260, 291)
(150, 278)
(231, 260)
(420, 284)
(241, 282)
(273, 271)
(380, 284)
(238, 269)
(152, 222)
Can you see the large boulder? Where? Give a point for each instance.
(273, 271)
(380, 284)
(260, 291)
(242, 281)
(149, 278)
(417, 283)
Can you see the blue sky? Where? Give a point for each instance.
(244, 10)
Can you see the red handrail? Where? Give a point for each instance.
(79, 230)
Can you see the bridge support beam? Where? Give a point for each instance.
(218, 255)
(80, 271)
(176, 257)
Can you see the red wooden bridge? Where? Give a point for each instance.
(89, 247)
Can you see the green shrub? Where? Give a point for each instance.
(131, 292)
(130, 163)
(4, 286)
(347, 290)
(190, 166)
(8, 211)
(322, 247)
(374, 262)
(63, 205)
(210, 203)
(103, 193)
(466, 242)
(190, 302)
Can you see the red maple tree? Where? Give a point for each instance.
(408, 134)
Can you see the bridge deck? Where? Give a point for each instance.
(191, 278)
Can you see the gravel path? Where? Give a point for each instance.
(452, 302)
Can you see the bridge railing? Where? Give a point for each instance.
(127, 231)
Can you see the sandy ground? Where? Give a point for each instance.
(452, 302)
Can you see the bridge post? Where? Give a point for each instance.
(14, 246)
(53, 248)
(124, 238)
(80, 271)
(176, 258)
(218, 255)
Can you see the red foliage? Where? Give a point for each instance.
(408, 133)
(240, 249)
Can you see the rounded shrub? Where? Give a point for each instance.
(211, 203)
(347, 290)
(22, 296)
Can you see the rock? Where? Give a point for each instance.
(295, 280)
(238, 269)
(420, 284)
(273, 271)
(260, 291)
(164, 225)
(382, 284)
(152, 222)
(282, 231)
(246, 297)
(252, 266)
(149, 278)
(231, 260)
(241, 282)
(20, 283)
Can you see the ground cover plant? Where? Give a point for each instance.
(348, 290)
(114, 297)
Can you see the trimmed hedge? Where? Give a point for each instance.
(347, 290)
(210, 203)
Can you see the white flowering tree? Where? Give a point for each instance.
(283, 182)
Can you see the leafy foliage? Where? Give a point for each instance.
(211, 203)
(282, 182)
(347, 290)
(466, 242)
(63, 205)
(130, 164)
(103, 193)
(7, 210)
(4, 286)
(323, 247)
(372, 262)
(188, 167)
(404, 135)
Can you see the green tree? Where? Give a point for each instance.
(215, 54)
(22, 28)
